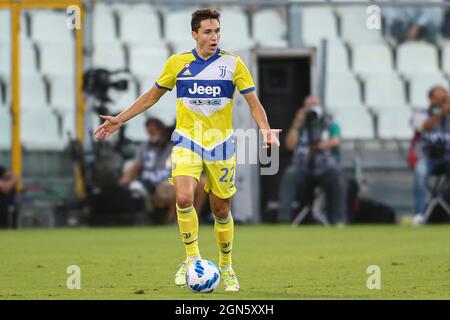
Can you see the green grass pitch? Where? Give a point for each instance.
(272, 262)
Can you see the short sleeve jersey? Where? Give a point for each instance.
(205, 94)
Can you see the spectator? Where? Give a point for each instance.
(152, 166)
(8, 183)
(406, 23)
(316, 139)
(433, 149)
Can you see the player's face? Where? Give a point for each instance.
(207, 36)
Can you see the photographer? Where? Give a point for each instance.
(8, 181)
(433, 149)
(315, 140)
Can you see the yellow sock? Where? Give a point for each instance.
(188, 225)
(224, 229)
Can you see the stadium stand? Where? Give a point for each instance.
(372, 59)
(269, 29)
(318, 23)
(417, 59)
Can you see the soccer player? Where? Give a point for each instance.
(206, 78)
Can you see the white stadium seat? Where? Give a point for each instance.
(68, 125)
(135, 129)
(269, 29)
(5, 61)
(394, 123)
(180, 40)
(5, 26)
(417, 59)
(355, 123)
(386, 91)
(104, 26)
(145, 61)
(39, 130)
(141, 28)
(33, 93)
(342, 91)
(372, 59)
(354, 26)
(122, 99)
(50, 27)
(235, 33)
(110, 56)
(446, 59)
(420, 86)
(5, 128)
(165, 109)
(57, 59)
(62, 93)
(337, 57)
(317, 23)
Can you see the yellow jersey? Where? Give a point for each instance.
(205, 95)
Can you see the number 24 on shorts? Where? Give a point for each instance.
(228, 173)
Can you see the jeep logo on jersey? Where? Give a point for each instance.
(215, 91)
(209, 102)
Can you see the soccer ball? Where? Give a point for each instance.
(202, 276)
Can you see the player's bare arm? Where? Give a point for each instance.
(144, 102)
(259, 115)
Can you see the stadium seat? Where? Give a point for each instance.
(5, 61)
(165, 110)
(386, 91)
(337, 57)
(49, 26)
(420, 86)
(28, 54)
(353, 22)
(342, 91)
(122, 99)
(269, 29)
(135, 129)
(146, 61)
(317, 23)
(57, 59)
(235, 33)
(140, 27)
(417, 59)
(68, 119)
(104, 26)
(39, 130)
(446, 59)
(62, 93)
(110, 56)
(33, 93)
(5, 125)
(355, 123)
(394, 123)
(179, 40)
(5, 26)
(372, 59)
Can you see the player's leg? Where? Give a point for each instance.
(224, 232)
(186, 170)
(220, 185)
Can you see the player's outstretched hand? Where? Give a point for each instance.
(270, 137)
(107, 128)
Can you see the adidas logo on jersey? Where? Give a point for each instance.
(187, 73)
(215, 90)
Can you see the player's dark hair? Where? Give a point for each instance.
(203, 14)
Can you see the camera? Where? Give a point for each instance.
(312, 114)
(97, 83)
